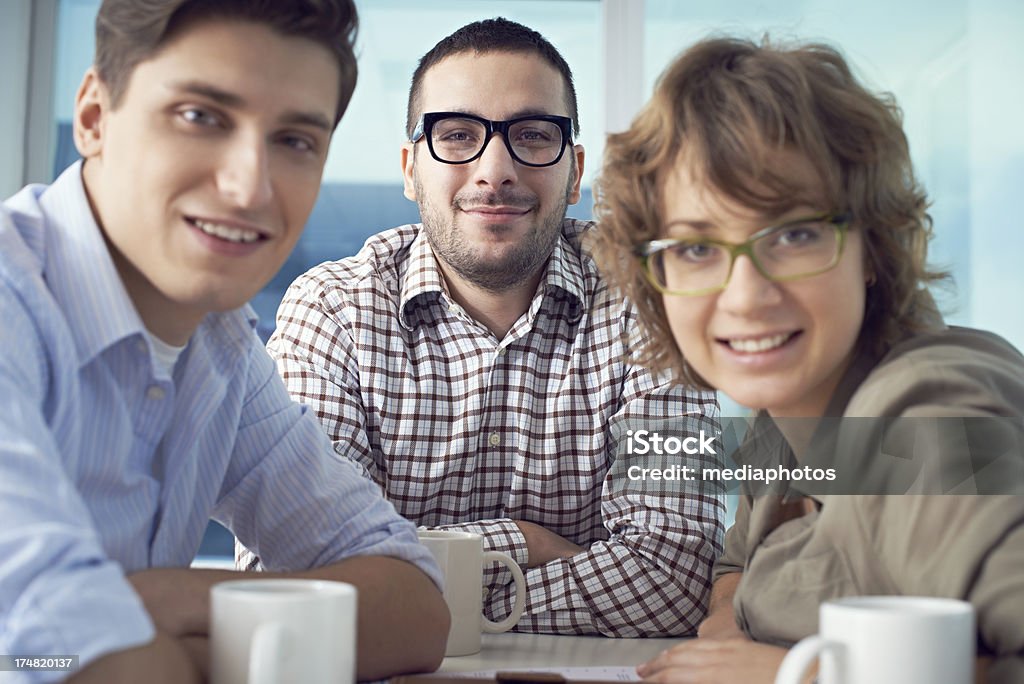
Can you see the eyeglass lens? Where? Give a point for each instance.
(798, 249)
(533, 141)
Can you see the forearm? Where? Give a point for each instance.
(615, 589)
(402, 619)
(721, 620)
(163, 660)
(544, 546)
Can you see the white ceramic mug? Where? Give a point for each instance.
(887, 640)
(461, 556)
(265, 631)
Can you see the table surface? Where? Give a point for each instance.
(515, 650)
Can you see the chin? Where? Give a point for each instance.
(215, 302)
(223, 306)
(754, 399)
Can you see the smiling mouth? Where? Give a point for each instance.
(754, 345)
(497, 211)
(227, 233)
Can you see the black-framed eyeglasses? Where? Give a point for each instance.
(459, 138)
(698, 266)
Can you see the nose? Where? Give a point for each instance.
(243, 176)
(495, 167)
(748, 292)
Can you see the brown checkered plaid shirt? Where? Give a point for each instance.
(466, 431)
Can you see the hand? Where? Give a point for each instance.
(720, 624)
(715, 661)
(544, 546)
(721, 620)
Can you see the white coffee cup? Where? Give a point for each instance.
(887, 640)
(461, 556)
(265, 631)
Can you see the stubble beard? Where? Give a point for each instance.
(517, 265)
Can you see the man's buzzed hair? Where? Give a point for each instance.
(491, 35)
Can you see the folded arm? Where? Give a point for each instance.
(651, 577)
(306, 513)
(59, 592)
(402, 620)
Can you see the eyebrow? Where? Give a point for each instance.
(702, 226)
(228, 99)
(514, 115)
(796, 214)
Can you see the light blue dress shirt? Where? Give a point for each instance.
(109, 465)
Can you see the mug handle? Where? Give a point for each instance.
(491, 627)
(794, 665)
(265, 653)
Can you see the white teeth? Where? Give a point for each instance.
(758, 345)
(226, 232)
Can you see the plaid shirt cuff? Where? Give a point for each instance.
(499, 535)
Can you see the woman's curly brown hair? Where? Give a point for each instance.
(726, 107)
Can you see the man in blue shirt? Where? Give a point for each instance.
(136, 400)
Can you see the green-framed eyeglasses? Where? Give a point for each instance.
(793, 250)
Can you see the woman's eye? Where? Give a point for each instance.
(798, 236)
(693, 251)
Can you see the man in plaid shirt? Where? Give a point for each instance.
(478, 368)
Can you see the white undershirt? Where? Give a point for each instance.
(166, 354)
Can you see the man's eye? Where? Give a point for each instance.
(457, 136)
(299, 143)
(534, 135)
(199, 117)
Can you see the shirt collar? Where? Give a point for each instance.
(422, 278)
(80, 271)
(565, 268)
(84, 281)
(564, 272)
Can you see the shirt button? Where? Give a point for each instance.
(141, 346)
(155, 392)
(501, 352)
(494, 439)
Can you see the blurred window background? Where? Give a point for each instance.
(953, 65)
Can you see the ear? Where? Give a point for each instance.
(92, 103)
(574, 193)
(408, 162)
(870, 274)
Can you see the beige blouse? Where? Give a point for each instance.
(794, 555)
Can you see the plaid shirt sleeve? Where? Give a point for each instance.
(651, 576)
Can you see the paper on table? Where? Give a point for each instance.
(602, 674)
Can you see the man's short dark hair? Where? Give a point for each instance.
(131, 31)
(492, 35)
